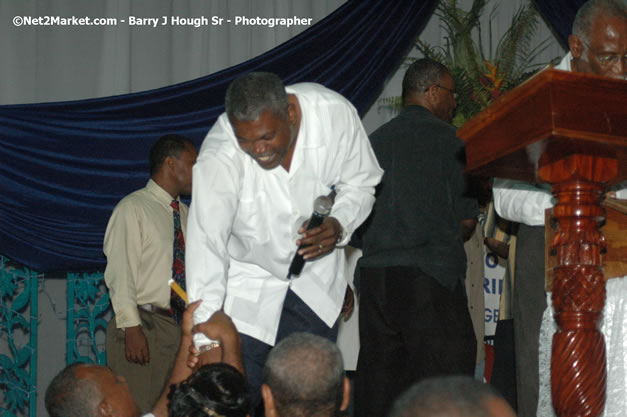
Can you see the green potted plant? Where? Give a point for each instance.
(481, 77)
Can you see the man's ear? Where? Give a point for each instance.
(292, 111)
(268, 401)
(431, 98)
(104, 408)
(576, 46)
(169, 161)
(430, 93)
(346, 395)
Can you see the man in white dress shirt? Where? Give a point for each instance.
(598, 45)
(261, 166)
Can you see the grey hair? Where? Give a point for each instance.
(450, 396)
(305, 373)
(250, 95)
(69, 396)
(588, 13)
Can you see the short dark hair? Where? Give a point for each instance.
(69, 396)
(167, 145)
(421, 74)
(305, 373)
(589, 11)
(449, 396)
(251, 94)
(217, 388)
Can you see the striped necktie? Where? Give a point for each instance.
(178, 264)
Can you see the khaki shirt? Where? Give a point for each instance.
(138, 245)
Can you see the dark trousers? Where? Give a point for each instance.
(410, 328)
(296, 316)
(528, 306)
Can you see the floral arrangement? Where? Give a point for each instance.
(481, 77)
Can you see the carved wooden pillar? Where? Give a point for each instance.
(570, 130)
(578, 364)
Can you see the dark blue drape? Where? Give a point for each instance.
(65, 165)
(559, 14)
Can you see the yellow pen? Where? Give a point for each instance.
(178, 290)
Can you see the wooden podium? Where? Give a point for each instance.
(569, 130)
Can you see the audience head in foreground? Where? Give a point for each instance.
(85, 390)
(304, 376)
(215, 390)
(451, 396)
(598, 42)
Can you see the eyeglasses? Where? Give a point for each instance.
(607, 60)
(455, 95)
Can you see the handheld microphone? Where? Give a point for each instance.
(322, 208)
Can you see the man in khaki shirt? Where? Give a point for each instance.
(142, 338)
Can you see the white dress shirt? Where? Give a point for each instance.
(522, 202)
(139, 248)
(243, 222)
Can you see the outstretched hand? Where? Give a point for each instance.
(219, 327)
(196, 359)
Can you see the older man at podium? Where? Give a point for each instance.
(598, 45)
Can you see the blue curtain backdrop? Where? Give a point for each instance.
(559, 15)
(65, 165)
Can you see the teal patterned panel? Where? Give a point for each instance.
(18, 340)
(88, 304)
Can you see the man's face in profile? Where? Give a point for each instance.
(444, 108)
(605, 52)
(182, 169)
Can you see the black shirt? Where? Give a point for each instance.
(416, 220)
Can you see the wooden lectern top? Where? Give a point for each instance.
(547, 118)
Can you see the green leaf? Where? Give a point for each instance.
(466, 59)
(20, 301)
(7, 284)
(5, 362)
(23, 356)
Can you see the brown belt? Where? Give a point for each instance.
(151, 308)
